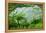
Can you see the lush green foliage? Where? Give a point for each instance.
(19, 21)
